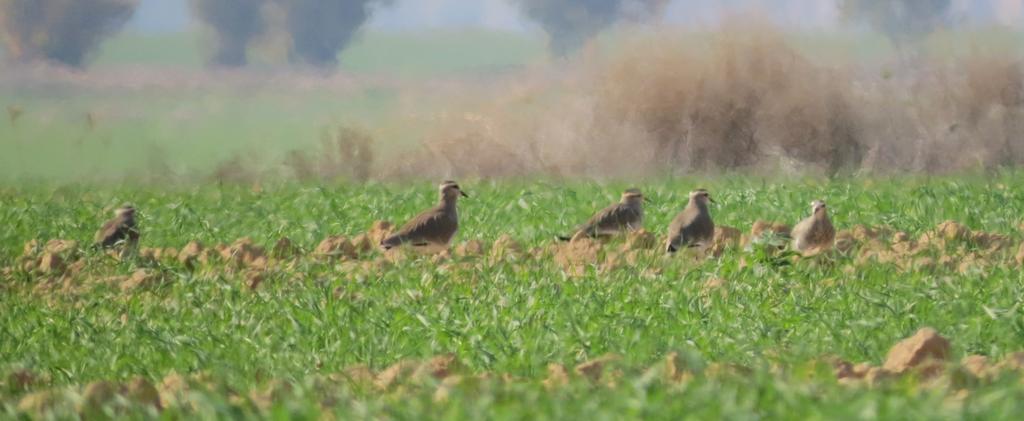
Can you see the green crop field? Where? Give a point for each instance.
(262, 294)
(756, 333)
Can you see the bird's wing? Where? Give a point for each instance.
(424, 224)
(110, 229)
(679, 223)
(800, 231)
(611, 218)
(821, 231)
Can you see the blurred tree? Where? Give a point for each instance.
(235, 23)
(319, 29)
(61, 31)
(904, 22)
(571, 23)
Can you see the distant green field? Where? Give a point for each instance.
(191, 130)
(190, 133)
(282, 350)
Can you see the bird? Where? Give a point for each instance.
(626, 215)
(814, 233)
(14, 112)
(693, 226)
(434, 226)
(119, 230)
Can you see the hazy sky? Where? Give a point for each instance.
(173, 15)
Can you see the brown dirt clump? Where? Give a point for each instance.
(362, 243)
(173, 389)
(715, 285)
(66, 248)
(335, 247)
(244, 253)
(20, 380)
(38, 403)
(379, 231)
(846, 371)
(640, 239)
(50, 259)
(990, 242)
(438, 367)
(471, 248)
(141, 279)
(575, 256)
(761, 227)
(444, 389)
(676, 369)
(51, 264)
(141, 391)
(275, 391)
(360, 375)
(96, 395)
(978, 366)
(921, 353)
(254, 278)
(1012, 362)
(189, 255)
(952, 231)
(416, 371)
(725, 237)
(558, 376)
(594, 370)
(396, 373)
(284, 248)
(902, 244)
(505, 248)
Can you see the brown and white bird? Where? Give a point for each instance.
(815, 233)
(433, 227)
(626, 215)
(693, 226)
(119, 230)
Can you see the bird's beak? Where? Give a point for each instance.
(463, 193)
(647, 200)
(712, 200)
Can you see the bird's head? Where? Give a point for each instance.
(818, 206)
(126, 210)
(633, 196)
(701, 196)
(450, 190)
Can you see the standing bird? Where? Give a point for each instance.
(627, 215)
(434, 226)
(119, 230)
(815, 233)
(13, 113)
(693, 226)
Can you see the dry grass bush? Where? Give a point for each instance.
(745, 101)
(655, 105)
(748, 97)
(345, 153)
(967, 114)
